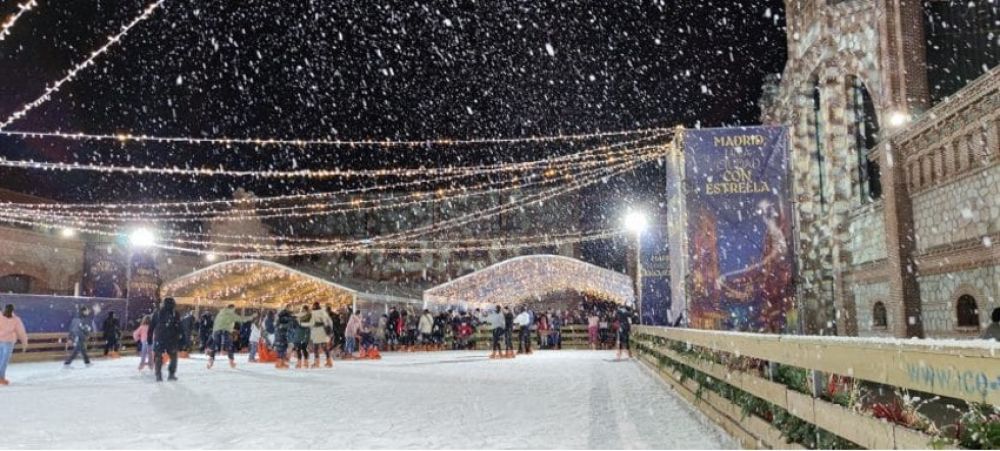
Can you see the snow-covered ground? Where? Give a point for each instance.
(552, 399)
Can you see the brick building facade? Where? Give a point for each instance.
(895, 164)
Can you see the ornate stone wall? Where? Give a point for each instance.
(865, 296)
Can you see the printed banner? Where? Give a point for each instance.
(143, 284)
(51, 314)
(104, 272)
(739, 228)
(654, 261)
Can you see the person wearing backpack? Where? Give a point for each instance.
(79, 330)
(222, 329)
(284, 329)
(166, 338)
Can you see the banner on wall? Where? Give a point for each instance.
(143, 284)
(739, 228)
(654, 259)
(104, 273)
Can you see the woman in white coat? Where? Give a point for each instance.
(320, 327)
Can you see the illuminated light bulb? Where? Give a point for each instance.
(211, 257)
(67, 232)
(635, 221)
(898, 118)
(142, 238)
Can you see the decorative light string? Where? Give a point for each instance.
(314, 209)
(350, 246)
(47, 95)
(110, 230)
(9, 23)
(472, 171)
(304, 142)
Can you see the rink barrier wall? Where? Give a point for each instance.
(55, 346)
(753, 431)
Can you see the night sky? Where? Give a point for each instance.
(362, 70)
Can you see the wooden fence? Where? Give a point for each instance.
(965, 371)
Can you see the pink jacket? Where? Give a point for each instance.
(141, 334)
(353, 327)
(12, 330)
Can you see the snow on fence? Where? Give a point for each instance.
(745, 363)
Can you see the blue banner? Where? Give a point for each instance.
(50, 314)
(654, 261)
(739, 228)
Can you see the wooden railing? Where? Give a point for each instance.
(55, 346)
(967, 371)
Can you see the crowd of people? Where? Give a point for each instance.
(293, 332)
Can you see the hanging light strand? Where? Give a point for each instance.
(305, 142)
(89, 61)
(9, 23)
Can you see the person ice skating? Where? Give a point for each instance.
(380, 330)
(352, 332)
(992, 332)
(524, 319)
(319, 334)
(112, 335)
(412, 331)
(79, 330)
(254, 342)
(555, 336)
(497, 326)
(222, 330)
(300, 337)
(284, 330)
(593, 322)
(391, 330)
(141, 335)
(165, 339)
(205, 331)
(624, 331)
(270, 327)
(11, 332)
(426, 329)
(508, 333)
(187, 328)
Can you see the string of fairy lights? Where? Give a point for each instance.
(378, 243)
(314, 209)
(77, 68)
(12, 19)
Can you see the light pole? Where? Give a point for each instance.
(635, 222)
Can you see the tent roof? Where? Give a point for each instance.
(248, 282)
(533, 276)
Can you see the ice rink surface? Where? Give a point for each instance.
(551, 399)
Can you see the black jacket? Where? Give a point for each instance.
(166, 327)
(110, 327)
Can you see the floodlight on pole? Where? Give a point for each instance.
(67, 232)
(141, 238)
(898, 118)
(635, 222)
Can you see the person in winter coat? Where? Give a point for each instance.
(166, 338)
(592, 324)
(992, 332)
(205, 331)
(79, 330)
(141, 336)
(284, 329)
(112, 333)
(624, 331)
(508, 332)
(412, 331)
(498, 327)
(392, 330)
(352, 334)
(426, 327)
(555, 334)
(380, 331)
(270, 327)
(222, 329)
(319, 334)
(255, 334)
(11, 332)
(301, 337)
(187, 328)
(524, 319)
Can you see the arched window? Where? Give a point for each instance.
(866, 136)
(968, 311)
(880, 319)
(818, 132)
